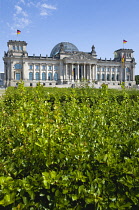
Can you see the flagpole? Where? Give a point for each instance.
(123, 43)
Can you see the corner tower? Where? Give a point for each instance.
(16, 48)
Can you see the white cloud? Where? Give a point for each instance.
(22, 1)
(48, 6)
(20, 11)
(24, 10)
(43, 13)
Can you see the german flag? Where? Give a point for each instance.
(124, 41)
(18, 32)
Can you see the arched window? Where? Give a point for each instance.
(43, 76)
(49, 76)
(30, 75)
(37, 76)
(18, 76)
(56, 76)
(18, 66)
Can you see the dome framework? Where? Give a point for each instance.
(67, 47)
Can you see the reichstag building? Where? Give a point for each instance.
(67, 66)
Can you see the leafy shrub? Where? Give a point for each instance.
(69, 149)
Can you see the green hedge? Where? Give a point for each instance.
(69, 149)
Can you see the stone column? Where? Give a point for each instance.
(46, 73)
(78, 72)
(133, 73)
(72, 72)
(115, 75)
(95, 72)
(34, 78)
(111, 74)
(90, 73)
(84, 74)
(61, 72)
(65, 71)
(100, 73)
(12, 72)
(40, 72)
(53, 72)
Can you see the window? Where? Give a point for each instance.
(108, 77)
(112, 77)
(50, 76)
(37, 66)
(117, 77)
(103, 77)
(49, 67)
(17, 76)
(128, 78)
(30, 75)
(18, 66)
(30, 84)
(13, 47)
(37, 76)
(43, 67)
(108, 69)
(103, 69)
(127, 70)
(56, 68)
(98, 77)
(43, 76)
(113, 69)
(20, 48)
(56, 76)
(98, 69)
(30, 66)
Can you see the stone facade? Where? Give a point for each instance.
(67, 66)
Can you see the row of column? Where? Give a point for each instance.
(77, 72)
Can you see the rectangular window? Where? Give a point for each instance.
(108, 77)
(56, 68)
(113, 69)
(30, 66)
(108, 69)
(43, 67)
(117, 77)
(49, 67)
(98, 69)
(37, 67)
(98, 77)
(112, 77)
(103, 69)
(17, 76)
(127, 78)
(20, 48)
(103, 77)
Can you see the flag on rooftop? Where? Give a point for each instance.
(18, 32)
(124, 41)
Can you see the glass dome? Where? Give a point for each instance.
(68, 47)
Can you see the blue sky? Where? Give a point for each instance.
(45, 23)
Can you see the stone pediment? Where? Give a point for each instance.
(81, 56)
